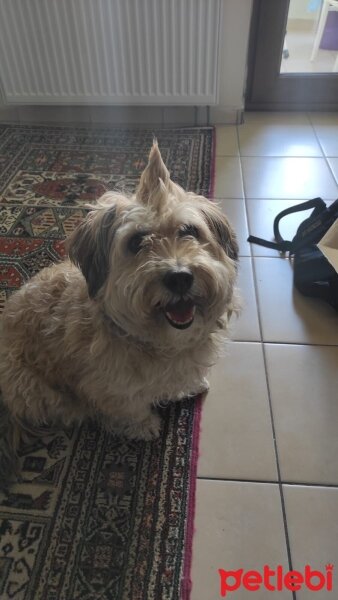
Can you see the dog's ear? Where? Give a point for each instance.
(221, 229)
(154, 175)
(89, 247)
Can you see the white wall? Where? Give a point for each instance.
(233, 60)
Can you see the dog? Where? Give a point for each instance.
(132, 319)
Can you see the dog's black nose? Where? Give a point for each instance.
(178, 281)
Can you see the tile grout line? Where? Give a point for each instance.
(280, 485)
(272, 482)
(283, 156)
(322, 149)
(280, 482)
(283, 343)
(276, 199)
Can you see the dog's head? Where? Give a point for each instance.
(159, 262)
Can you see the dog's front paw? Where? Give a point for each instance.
(204, 386)
(147, 430)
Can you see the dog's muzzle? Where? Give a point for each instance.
(179, 314)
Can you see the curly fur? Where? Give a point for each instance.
(8, 446)
(88, 337)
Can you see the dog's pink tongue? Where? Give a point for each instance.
(182, 312)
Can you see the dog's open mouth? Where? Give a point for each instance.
(180, 314)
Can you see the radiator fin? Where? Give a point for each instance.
(109, 51)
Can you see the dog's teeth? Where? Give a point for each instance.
(178, 322)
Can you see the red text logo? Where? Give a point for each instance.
(276, 580)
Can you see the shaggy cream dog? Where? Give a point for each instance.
(132, 320)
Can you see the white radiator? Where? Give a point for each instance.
(109, 51)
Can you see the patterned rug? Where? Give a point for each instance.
(94, 517)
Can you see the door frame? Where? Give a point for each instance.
(267, 88)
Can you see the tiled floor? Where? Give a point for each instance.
(267, 491)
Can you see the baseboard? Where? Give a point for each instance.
(226, 116)
(135, 116)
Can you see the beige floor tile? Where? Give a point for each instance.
(278, 139)
(312, 517)
(261, 215)
(246, 326)
(228, 178)
(236, 431)
(235, 211)
(226, 140)
(287, 178)
(286, 315)
(277, 118)
(326, 128)
(333, 162)
(303, 389)
(238, 526)
(318, 119)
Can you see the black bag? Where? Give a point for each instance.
(313, 275)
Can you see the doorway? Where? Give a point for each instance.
(293, 55)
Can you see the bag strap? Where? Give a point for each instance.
(283, 245)
(317, 203)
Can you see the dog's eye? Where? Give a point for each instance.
(189, 231)
(135, 242)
